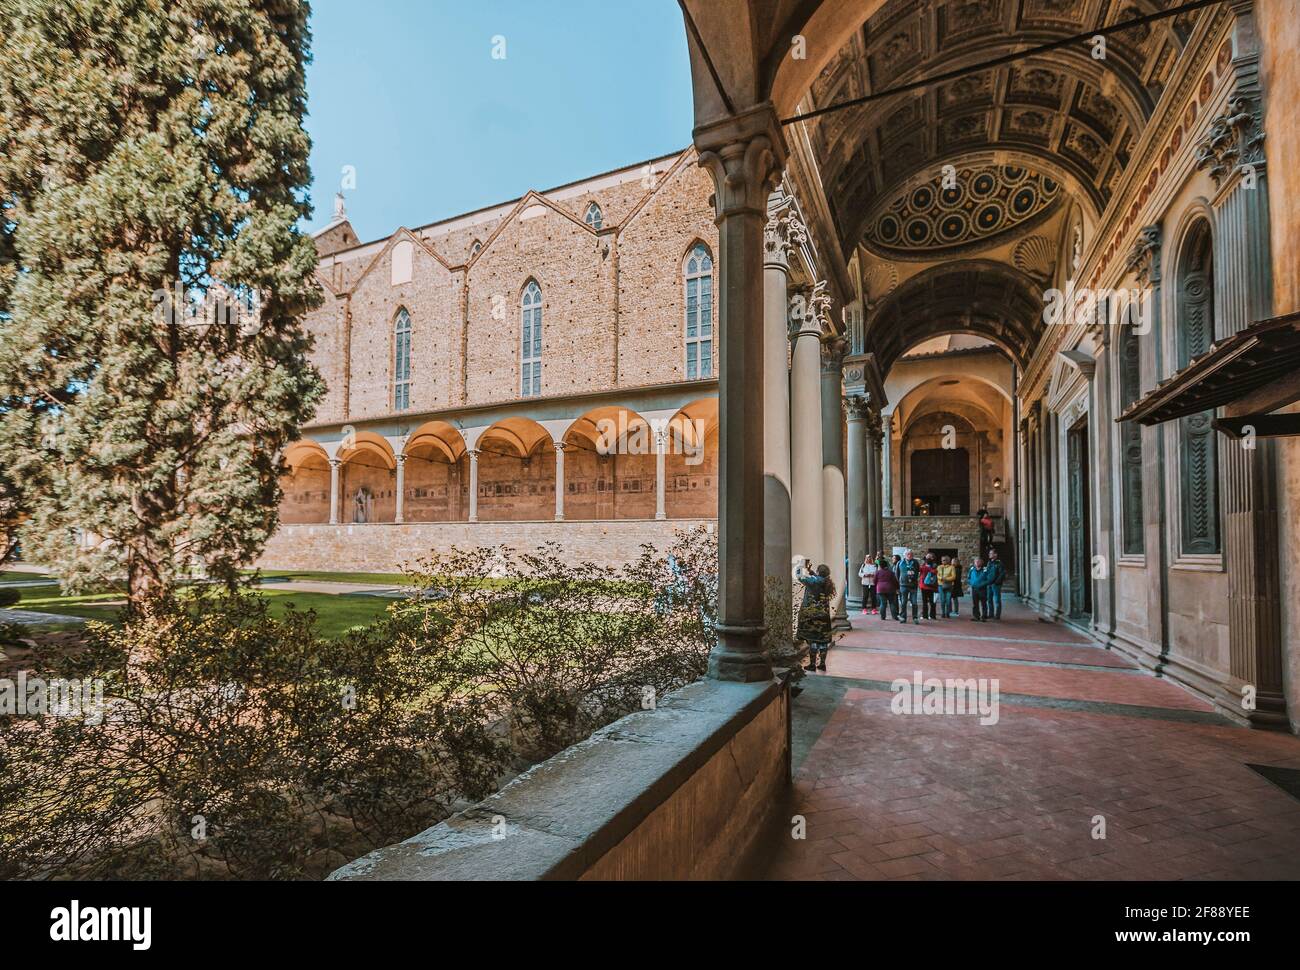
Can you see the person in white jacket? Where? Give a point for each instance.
(867, 573)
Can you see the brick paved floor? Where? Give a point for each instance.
(1080, 734)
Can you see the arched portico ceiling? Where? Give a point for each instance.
(694, 422)
(1065, 106)
(522, 436)
(607, 426)
(971, 296)
(305, 450)
(365, 447)
(439, 436)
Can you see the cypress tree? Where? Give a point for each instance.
(150, 148)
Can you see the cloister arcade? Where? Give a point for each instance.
(609, 463)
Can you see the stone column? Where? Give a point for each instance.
(401, 489)
(661, 460)
(744, 154)
(473, 484)
(334, 490)
(781, 235)
(875, 522)
(833, 517)
(859, 464)
(805, 432)
(559, 481)
(1234, 154)
(887, 464)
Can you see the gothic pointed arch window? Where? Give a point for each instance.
(1198, 458)
(530, 356)
(1129, 360)
(402, 360)
(594, 217)
(699, 312)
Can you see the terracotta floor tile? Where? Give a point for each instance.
(891, 796)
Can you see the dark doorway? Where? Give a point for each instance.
(940, 482)
(1079, 526)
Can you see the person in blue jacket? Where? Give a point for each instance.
(978, 581)
(993, 594)
(908, 571)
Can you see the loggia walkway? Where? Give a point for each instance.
(1092, 770)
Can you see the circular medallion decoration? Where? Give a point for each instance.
(983, 185)
(967, 211)
(953, 226)
(919, 231)
(989, 217)
(1023, 202)
(888, 228)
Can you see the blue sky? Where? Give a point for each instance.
(408, 92)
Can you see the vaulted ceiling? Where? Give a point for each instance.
(974, 296)
(1063, 115)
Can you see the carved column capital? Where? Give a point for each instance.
(803, 317)
(783, 234)
(834, 347)
(745, 154)
(1144, 260)
(857, 407)
(1235, 140)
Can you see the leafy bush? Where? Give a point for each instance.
(236, 745)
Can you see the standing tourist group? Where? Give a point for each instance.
(930, 588)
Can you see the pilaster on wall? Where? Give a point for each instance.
(1233, 154)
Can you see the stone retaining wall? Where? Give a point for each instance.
(385, 547)
(922, 533)
(684, 791)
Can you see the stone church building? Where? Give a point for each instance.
(543, 370)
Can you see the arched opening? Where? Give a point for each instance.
(367, 480)
(516, 472)
(609, 466)
(435, 480)
(305, 486)
(691, 462)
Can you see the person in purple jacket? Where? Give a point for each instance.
(886, 588)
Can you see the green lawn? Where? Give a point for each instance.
(336, 614)
(373, 579)
(320, 576)
(19, 575)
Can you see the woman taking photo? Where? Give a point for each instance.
(814, 626)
